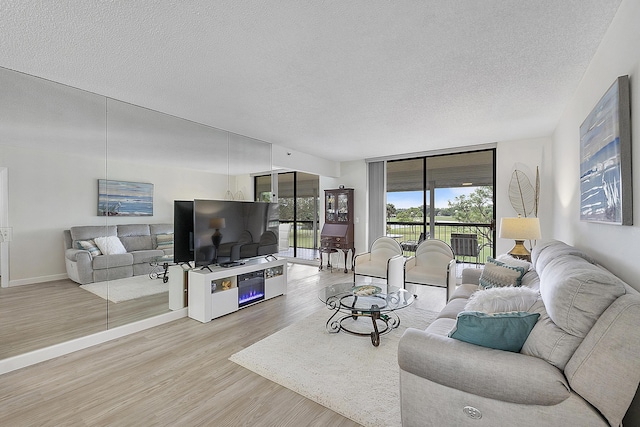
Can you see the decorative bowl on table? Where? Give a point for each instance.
(366, 290)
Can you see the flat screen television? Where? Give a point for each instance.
(228, 231)
(183, 250)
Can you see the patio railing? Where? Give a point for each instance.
(410, 232)
(304, 233)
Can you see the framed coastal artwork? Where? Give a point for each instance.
(605, 158)
(123, 198)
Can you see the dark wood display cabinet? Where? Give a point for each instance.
(337, 232)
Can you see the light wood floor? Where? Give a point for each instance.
(178, 374)
(43, 314)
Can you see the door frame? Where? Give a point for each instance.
(4, 222)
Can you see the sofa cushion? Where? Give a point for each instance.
(137, 243)
(549, 342)
(110, 245)
(548, 250)
(496, 273)
(502, 331)
(111, 261)
(576, 293)
(89, 232)
(464, 291)
(531, 280)
(133, 230)
(161, 228)
(502, 299)
(609, 355)
(452, 309)
(441, 326)
(146, 256)
(89, 245)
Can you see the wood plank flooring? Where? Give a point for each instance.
(40, 315)
(178, 374)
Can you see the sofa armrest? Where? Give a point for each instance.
(471, 276)
(494, 374)
(78, 255)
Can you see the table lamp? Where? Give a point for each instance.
(520, 229)
(217, 224)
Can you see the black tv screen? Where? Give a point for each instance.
(183, 250)
(226, 231)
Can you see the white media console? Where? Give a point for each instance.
(224, 290)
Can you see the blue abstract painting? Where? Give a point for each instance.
(601, 161)
(122, 198)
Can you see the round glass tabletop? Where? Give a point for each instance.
(365, 297)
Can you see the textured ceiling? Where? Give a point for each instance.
(342, 80)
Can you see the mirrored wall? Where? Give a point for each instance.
(56, 144)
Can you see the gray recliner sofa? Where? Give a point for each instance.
(140, 241)
(579, 366)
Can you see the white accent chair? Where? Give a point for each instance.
(434, 264)
(384, 260)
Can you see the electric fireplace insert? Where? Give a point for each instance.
(250, 288)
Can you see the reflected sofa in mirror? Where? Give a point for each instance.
(56, 142)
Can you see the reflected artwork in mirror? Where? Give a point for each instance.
(56, 142)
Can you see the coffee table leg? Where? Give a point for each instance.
(375, 335)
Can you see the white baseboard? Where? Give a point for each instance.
(57, 350)
(41, 279)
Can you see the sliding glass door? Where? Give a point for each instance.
(447, 197)
(298, 198)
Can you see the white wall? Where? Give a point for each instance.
(524, 155)
(49, 192)
(616, 247)
(288, 159)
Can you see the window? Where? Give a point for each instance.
(434, 197)
(298, 199)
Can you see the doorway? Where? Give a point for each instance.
(447, 197)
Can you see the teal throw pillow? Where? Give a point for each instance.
(502, 331)
(496, 273)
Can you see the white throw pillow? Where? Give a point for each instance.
(110, 245)
(502, 299)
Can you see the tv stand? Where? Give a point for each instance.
(215, 293)
(230, 264)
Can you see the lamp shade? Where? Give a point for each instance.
(520, 228)
(216, 223)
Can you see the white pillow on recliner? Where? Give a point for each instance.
(110, 245)
(502, 299)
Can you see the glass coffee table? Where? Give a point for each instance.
(352, 301)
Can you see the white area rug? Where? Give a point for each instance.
(127, 289)
(343, 372)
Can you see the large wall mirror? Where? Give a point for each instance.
(56, 143)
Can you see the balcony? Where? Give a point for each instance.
(410, 232)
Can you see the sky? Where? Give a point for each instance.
(413, 199)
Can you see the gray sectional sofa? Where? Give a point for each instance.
(143, 243)
(579, 366)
